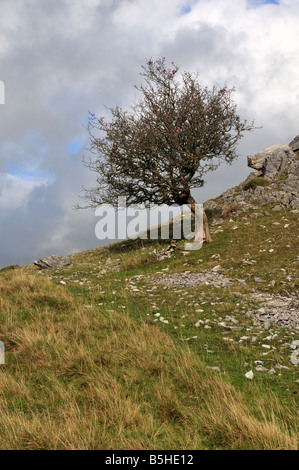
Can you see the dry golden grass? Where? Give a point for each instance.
(89, 378)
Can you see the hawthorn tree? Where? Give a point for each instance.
(160, 150)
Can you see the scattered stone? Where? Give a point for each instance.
(214, 368)
(188, 279)
(249, 262)
(278, 310)
(249, 375)
(267, 325)
(280, 367)
(167, 252)
(261, 369)
(216, 269)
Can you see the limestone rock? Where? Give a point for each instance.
(272, 161)
(249, 375)
(53, 261)
(294, 145)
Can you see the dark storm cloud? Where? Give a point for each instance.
(58, 66)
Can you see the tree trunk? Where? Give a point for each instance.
(206, 232)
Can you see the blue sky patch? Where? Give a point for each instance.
(30, 174)
(21, 172)
(258, 3)
(74, 146)
(185, 10)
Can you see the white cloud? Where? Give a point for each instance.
(60, 59)
(16, 191)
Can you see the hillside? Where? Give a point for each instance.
(126, 349)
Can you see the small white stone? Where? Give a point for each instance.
(249, 375)
(261, 369)
(280, 367)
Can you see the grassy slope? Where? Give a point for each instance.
(89, 366)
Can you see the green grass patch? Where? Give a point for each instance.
(255, 182)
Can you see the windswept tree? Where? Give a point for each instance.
(160, 150)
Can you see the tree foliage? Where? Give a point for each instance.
(160, 149)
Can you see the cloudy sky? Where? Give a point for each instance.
(60, 59)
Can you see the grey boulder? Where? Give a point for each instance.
(294, 145)
(272, 161)
(53, 261)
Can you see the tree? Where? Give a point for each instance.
(160, 150)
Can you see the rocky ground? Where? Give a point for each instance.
(277, 310)
(268, 323)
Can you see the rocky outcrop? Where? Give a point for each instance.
(54, 261)
(276, 182)
(294, 145)
(273, 161)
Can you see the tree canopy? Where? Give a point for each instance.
(160, 149)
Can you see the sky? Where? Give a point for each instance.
(63, 58)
